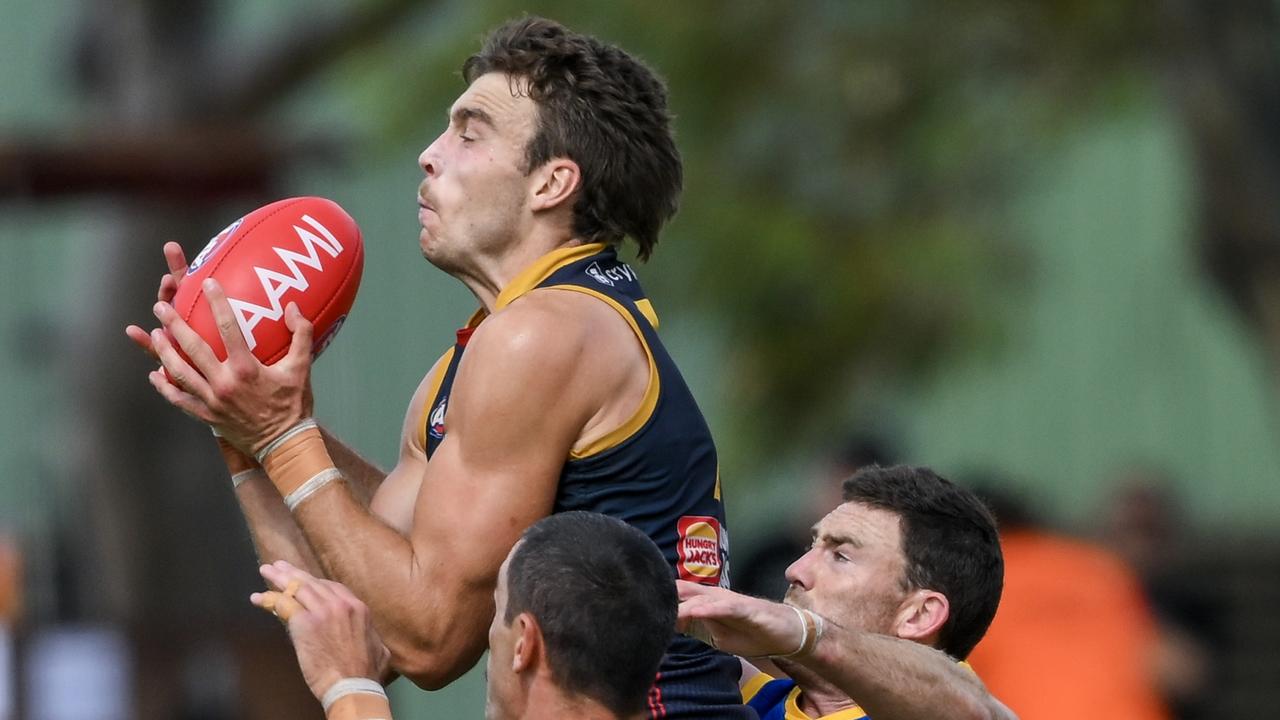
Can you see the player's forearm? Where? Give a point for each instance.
(363, 476)
(432, 625)
(891, 677)
(275, 534)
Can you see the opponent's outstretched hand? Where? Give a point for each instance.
(331, 628)
(735, 623)
(249, 403)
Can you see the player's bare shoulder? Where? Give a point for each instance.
(578, 343)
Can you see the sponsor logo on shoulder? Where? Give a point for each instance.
(698, 549)
(435, 424)
(598, 275)
(608, 276)
(212, 246)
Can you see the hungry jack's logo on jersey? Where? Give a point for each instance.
(698, 549)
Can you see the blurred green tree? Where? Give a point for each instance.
(847, 171)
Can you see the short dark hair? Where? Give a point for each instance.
(601, 108)
(950, 543)
(605, 599)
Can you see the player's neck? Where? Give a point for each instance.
(492, 273)
(819, 698)
(549, 703)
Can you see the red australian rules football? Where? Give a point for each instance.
(305, 250)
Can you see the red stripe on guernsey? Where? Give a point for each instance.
(660, 709)
(464, 334)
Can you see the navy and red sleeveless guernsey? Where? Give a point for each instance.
(657, 472)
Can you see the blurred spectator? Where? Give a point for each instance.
(1073, 634)
(1143, 523)
(10, 613)
(10, 582)
(763, 571)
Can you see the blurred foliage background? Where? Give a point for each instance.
(1035, 237)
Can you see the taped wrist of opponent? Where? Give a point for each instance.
(812, 627)
(356, 699)
(298, 463)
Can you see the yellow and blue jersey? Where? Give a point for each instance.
(778, 699)
(658, 471)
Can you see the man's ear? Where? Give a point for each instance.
(921, 616)
(554, 183)
(528, 646)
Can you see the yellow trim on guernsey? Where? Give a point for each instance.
(752, 686)
(541, 269)
(793, 711)
(528, 279)
(442, 367)
(646, 308)
(619, 434)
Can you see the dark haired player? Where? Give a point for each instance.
(556, 396)
(902, 581)
(561, 590)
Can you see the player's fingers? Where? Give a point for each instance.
(700, 606)
(280, 574)
(228, 327)
(315, 596)
(180, 371)
(195, 347)
(184, 401)
(168, 289)
(300, 346)
(686, 589)
(278, 604)
(142, 339)
(176, 259)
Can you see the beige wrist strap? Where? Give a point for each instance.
(299, 464)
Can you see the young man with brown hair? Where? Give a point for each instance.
(556, 396)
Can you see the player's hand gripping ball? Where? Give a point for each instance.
(304, 250)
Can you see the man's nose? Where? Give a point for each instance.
(798, 571)
(429, 159)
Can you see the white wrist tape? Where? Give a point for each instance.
(309, 488)
(304, 424)
(347, 686)
(244, 476)
(812, 627)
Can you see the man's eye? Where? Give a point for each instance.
(841, 557)
(466, 138)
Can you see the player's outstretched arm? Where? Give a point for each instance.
(887, 676)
